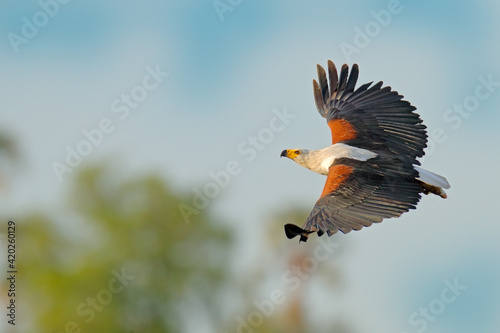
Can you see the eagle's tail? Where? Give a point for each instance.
(432, 183)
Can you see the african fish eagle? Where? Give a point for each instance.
(371, 167)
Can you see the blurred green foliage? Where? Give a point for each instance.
(123, 260)
(119, 257)
(8, 148)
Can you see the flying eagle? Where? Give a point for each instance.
(371, 167)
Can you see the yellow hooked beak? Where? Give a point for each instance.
(290, 153)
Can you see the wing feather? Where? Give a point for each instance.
(318, 98)
(323, 83)
(333, 76)
(344, 72)
(353, 78)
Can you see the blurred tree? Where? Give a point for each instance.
(8, 149)
(123, 260)
(292, 270)
(9, 156)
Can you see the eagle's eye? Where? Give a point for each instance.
(297, 152)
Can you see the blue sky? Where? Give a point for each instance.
(227, 78)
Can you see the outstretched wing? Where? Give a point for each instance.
(357, 194)
(370, 117)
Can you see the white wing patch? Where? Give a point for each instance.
(340, 150)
